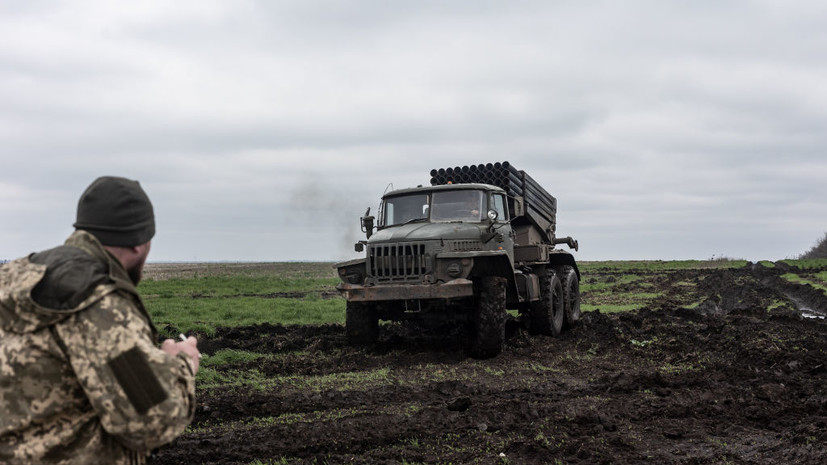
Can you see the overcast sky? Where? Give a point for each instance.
(262, 130)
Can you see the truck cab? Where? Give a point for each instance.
(424, 233)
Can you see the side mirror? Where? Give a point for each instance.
(367, 223)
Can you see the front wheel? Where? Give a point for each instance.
(547, 314)
(361, 323)
(488, 334)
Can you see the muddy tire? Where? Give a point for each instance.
(571, 295)
(488, 327)
(361, 323)
(548, 313)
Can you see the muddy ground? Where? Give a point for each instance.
(723, 381)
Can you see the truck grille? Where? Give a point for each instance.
(397, 262)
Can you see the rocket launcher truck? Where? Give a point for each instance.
(480, 240)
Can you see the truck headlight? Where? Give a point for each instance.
(351, 276)
(454, 270)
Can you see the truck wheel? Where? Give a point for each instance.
(571, 295)
(361, 323)
(488, 334)
(548, 313)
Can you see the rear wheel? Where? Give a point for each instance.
(547, 314)
(361, 323)
(488, 331)
(571, 295)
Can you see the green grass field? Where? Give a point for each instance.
(201, 297)
(235, 294)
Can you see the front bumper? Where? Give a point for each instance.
(451, 290)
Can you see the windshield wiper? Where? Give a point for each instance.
(412, 220)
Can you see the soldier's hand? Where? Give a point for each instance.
(189, 346)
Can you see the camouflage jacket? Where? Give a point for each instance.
(81, 378)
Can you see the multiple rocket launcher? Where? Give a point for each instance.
(526, 197)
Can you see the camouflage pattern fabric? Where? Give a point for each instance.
(86, 384)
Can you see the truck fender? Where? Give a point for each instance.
(497, 265)
(564, 258)
(352, 271)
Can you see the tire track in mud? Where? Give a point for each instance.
(805, 297)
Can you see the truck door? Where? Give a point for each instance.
(502, 225)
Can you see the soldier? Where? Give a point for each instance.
(81, 378)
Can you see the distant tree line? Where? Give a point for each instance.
(819, 250)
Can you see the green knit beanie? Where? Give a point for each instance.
(116, 211)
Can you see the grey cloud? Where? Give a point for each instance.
(665, 129)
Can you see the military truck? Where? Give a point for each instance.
(478, 241)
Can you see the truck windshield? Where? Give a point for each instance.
(459, 205)
(406, 208)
